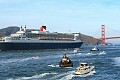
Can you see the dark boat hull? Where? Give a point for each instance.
(94, 50)
(70, 64)
(37, 46)
(66, 65)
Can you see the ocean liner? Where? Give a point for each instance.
(39, 39)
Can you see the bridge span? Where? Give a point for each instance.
(103, 36)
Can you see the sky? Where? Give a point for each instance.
(84, 16)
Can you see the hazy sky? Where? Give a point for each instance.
(84, 16)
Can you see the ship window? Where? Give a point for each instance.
(82, 65)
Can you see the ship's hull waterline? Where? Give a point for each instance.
(5, 46)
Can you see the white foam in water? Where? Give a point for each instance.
(90, 54)
(33, 77)
(19, 60)
(59, 75)
(117, 61)
(70, 76)
(85, 54)
(53, 65)
(79, 53)
(65, 76)
(103, 52)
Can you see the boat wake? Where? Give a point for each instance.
(18, 60)
(63, 76)
(96, 53)
(84, 54)
(51, 65)
(37, 76)
(117, 61)
(103, 52)
(90, 54)
(70, 76)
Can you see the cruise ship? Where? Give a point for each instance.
(39, 39)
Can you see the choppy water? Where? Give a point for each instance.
(43, 64)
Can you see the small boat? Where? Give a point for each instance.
(94, 49)
(65, 62)
(83, 69)
(76, 50)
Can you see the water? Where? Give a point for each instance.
(44, 64)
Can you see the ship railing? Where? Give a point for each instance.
(49, 38)
(58, 39)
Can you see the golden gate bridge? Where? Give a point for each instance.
(103, 36)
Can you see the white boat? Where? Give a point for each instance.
(76, 50)
(94, 49)
(83, 69)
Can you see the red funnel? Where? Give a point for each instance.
(42, 28)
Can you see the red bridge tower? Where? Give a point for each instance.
(102, 34)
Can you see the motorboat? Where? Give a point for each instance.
(76, 50)
(65, 62)
(84, 68)
(94, 49)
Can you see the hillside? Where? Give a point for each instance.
(88, 40)
(9, 30)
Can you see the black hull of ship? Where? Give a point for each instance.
(5, 46)
(69, 64)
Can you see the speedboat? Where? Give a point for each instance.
(65, 62)
(94, 49)
(83, 69)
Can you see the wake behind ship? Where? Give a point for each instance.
(36, 40)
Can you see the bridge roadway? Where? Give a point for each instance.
(109, 38)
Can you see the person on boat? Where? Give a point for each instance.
(65, 59)
(65, 56)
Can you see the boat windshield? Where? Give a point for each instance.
(83, 64)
